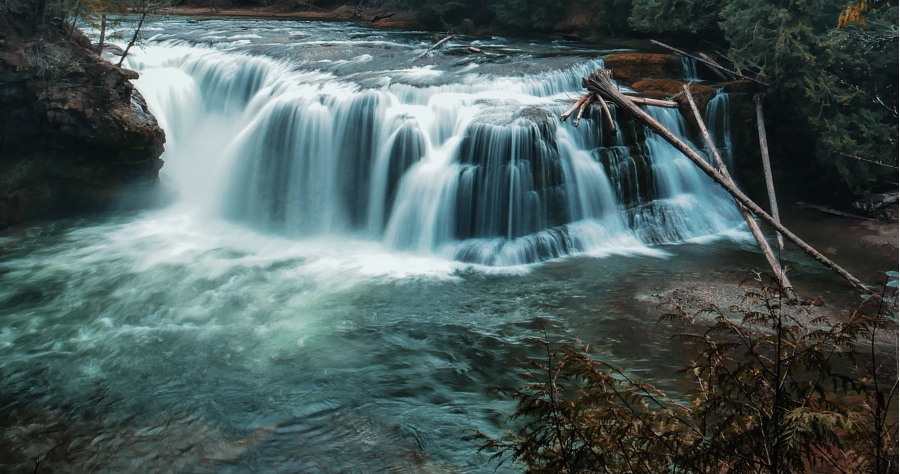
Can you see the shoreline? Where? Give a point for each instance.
(344, 13)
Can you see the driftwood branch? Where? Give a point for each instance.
(565, 116)
(777, 270)
(584, 106)
(876, 201)
(835, 212)
(382, 17)
(610, 123)
(716, 70)
(708, 63)
(654, 102)
(600, 82)
(767, 166)
(435, 46)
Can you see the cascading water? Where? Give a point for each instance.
(477, 169)
(318, 299)
(689, 65)
(718, 119)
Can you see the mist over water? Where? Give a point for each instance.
(361, 245)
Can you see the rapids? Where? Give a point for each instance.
(360, 246)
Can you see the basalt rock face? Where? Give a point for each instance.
(75, 136)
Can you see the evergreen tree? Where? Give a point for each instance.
(836, 85)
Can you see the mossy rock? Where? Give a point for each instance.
(742, 86)
(668, 88)
(629, 68)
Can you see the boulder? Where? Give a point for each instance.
(742, 86)
(629, 68)
(668, 88)
(75, 137)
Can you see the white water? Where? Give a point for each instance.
(310, 303)
(477, 170)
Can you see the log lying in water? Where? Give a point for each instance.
(435, 46)
(600, 82)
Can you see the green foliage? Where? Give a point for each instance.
(524, 14)
(504, 14)
(694, 16)
(839, 84)
(770, 389)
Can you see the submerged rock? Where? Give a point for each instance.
(75, 136)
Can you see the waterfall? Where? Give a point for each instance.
(689, 65)
(718, 119)
(477, 169)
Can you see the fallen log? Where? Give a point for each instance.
(876, 201)
(584, 106)
(717, 71)
(610, 123)
(767, 166)
(654, 102)
(435, 46)
(835, 212)
(382, 17)
(600, 82)
(777, 270)
(573, 108)
(708, 63)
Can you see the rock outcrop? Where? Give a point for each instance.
(75, 137)
(629, 68)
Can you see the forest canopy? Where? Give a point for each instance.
(832, 66)
(832, 103)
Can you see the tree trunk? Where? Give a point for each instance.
(134, 38)
(40, 12)
(610, 123)
(708, 63)
(767, 166)
(601, 82)
(565, 116)
(75, 17)
(102, 32)
(717, 71)
(654, 102)
(584, 106)
(777, 270)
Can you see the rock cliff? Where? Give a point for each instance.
(75, 137)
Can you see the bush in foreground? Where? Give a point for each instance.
(771, 388)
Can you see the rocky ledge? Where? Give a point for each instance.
(75, 137)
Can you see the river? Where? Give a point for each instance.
(360, 245)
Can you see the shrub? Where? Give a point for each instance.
(772, 388)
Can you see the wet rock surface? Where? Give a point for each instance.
(75, 136)
(629, 68)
